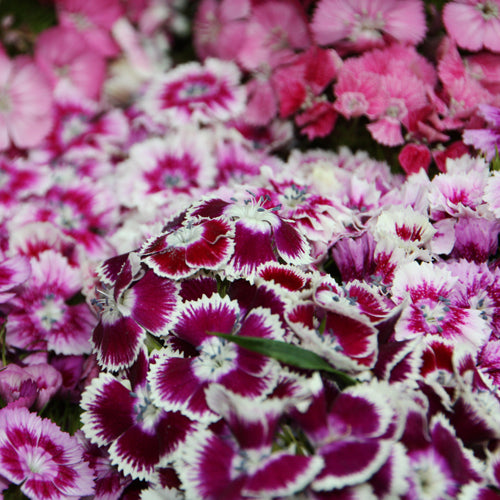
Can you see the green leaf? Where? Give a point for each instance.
(495, 162)
(287, 353)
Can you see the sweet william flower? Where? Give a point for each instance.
(136, 301)
(197, 93)
(44, 460)
(239, 461)
(473, 24)
(181, 374)
(25, 99)
(94, 20)
(119, 413)
(359, 25)
(66, 59)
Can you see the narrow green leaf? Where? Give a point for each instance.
(287, 353)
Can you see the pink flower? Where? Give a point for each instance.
(414, 157)
(220, 28)
(473, 24)
(275, 30)
(25, 99)
(94, 20)
(43, 318)
(360, 25)
(44, 460)
(65, 58)
(192, 91)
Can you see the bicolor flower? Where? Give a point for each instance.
(46, 462)
(43, 317)
(120, 414)
(197, 93)
(260, 235)
(241, 463)
(139, 301)
(188, 246)
(427, 291)
(194, 359)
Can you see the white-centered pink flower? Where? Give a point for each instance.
(426, 291)
(195, 92)
(42, 317)
(46, 462)
(25, 99)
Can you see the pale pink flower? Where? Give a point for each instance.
(274, 31)
(364, 24)
(463, 87)
(94, 20)
(65, 58)
(474, 24)
(220, 28)
(25, 99)
(389, 86)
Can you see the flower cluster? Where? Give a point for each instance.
(197, 301)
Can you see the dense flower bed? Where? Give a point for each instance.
(249, 249)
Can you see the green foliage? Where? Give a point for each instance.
(63, 412)
(22, 20)
(495, 162)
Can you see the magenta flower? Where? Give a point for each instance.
(138, 301)
(353, 431)
(36, 454)
(120, 414)
(473, 24)
(25, 98)
(43, 317)
(13, 272)
(430, 308)
(156, 168)
(487, 140)
(201, 93)
(187, 367)
(239, 462)
(360, 25)
(29, 385)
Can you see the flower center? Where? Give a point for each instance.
(216, 359)
(72, 128)
(294, 196)
(184, 236)
(5, 101)
(146, 412)
(489, 10)
(37, 461)
(51, 311)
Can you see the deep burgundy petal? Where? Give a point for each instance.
(155, 303)
(108, 409)
(117, 341)
(282, 474)
(349, 462)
